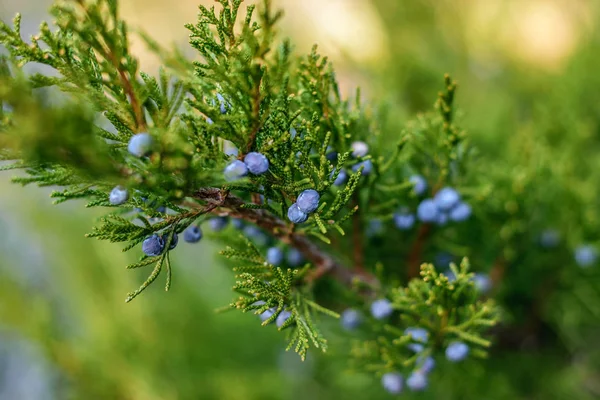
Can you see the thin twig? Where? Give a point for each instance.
(325, 264)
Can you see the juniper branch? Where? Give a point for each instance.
(227, 204)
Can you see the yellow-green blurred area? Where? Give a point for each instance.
(65, 330)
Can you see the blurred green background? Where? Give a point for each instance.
(528, 74)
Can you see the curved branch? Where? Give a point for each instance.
(227, 204)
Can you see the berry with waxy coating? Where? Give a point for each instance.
(293, 133)
(140, 145)
(153, 245)
(294, 257)
(350, 319)
(282, 317)
(585, 255)
(549, 238)
(341, 178)
(218, 223)
(427, 211)
(392, 382)
(460, 212)
(417, 381)
(425, 365)
(359, 149)
(267, 314)
(417, 334)
(457, 351)
(274, 256)
(174, 241)
(235, 170)
(446, 198)
(256, 234)
(482, 282)
(375, 228)
(308, 201)
(442, 218)
(296, 215)
(404, 220)
(222, 103)
(257, 163)
(192, 234)
(381, 309)
(237, 223)
(419, 184)
(367, 166)
(331, 154)
(118, 196)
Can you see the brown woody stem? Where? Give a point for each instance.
(227, 204)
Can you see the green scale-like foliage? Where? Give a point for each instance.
(286, 107)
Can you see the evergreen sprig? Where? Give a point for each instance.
(248, 94)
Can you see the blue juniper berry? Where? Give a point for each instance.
(417, 381)
(381, 309)
(153, 245)
(426, 364)
(359, 149)
(367, 166)
(404, 220)
(267, 314)
(192, 234)
(237, 223)
(341, 178)
(442, 218)
(230, 149)
(375, 228)
(174, 241)
(308, 201)
(294, 257)
(282, 318)
(482, 282)
(427, 211)
(460, 212)
(417, 334)
(118, 196)
(222, 103)
(274, 256)
(392, 382)
(218, 223)
(256, 235)
(293, 133)
(331, 154)
(350, 319)
(140, 145)
(235, 170)
(257, 163)
(446, 198)
(419, 184)
(296, 215)
(549, 238)
(585, 255)
(457, 351)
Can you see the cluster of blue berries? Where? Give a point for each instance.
(306, 203)
(281, 318)
(275, 256)
(417, 381)
(155, 245)
(255, 163)
(393, 382)
(446, 204)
